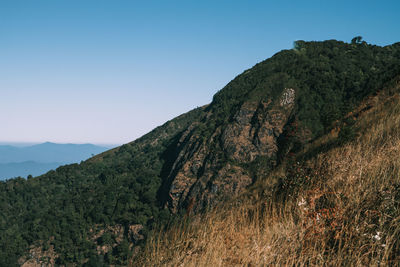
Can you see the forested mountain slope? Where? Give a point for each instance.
(69, 204)
(98, 211)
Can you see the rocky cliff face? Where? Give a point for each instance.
(211, 169)
(268, 113)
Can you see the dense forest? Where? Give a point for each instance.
(116, 187)
(124, 186)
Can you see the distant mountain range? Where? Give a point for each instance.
(38, 159)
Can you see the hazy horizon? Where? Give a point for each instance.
(106, 72)
(26, 144)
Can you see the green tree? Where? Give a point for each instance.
(356, 40)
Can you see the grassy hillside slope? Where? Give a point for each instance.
(338, 207)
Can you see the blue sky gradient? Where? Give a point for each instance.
(109, 71)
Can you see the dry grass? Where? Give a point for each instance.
(347, 215)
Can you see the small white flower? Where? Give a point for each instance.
(377, 236)
(302, 202)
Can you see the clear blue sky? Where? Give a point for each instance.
(109, 71)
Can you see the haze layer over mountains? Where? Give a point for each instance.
(37, 159)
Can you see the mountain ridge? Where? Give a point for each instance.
(263, 117)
